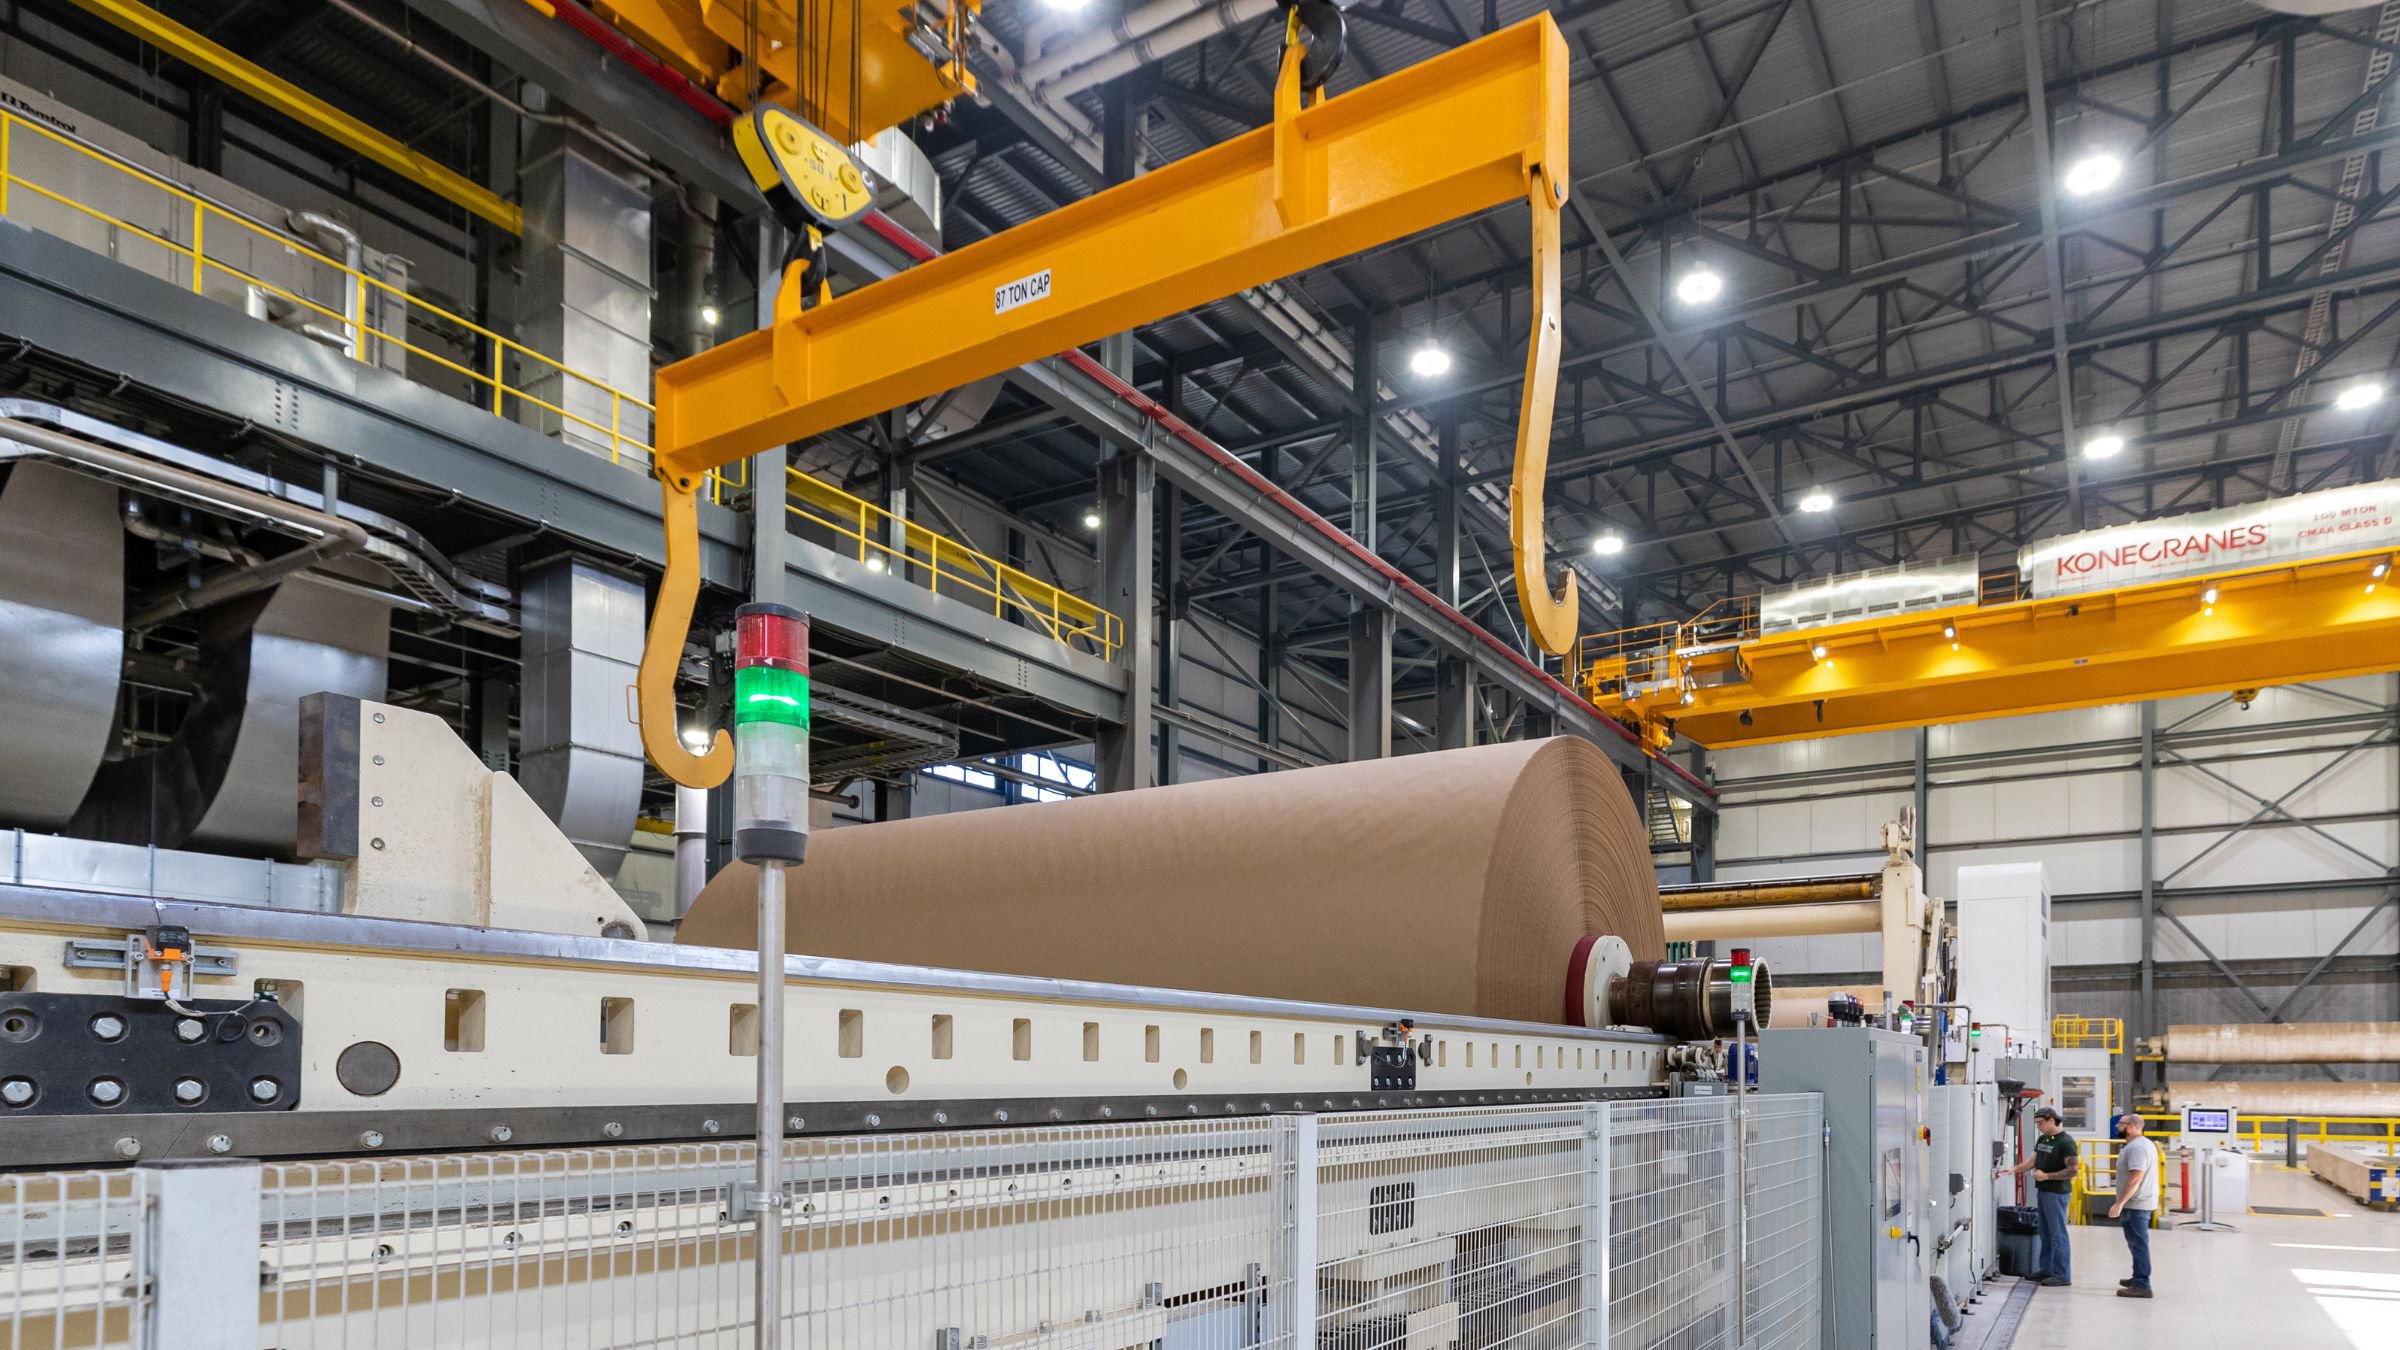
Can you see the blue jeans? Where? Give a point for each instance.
(2053, 1257)
(2137, 1241)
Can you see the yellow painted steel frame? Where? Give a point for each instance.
(308, 110)
(2322, 618)
(1470, 129)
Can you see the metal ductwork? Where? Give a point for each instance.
(907, 187)
(62, 638)
(230, 775)
(580, 755)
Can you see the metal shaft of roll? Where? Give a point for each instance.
(1851, 916)
(1808, 891)
(768, 1194)
(2255, 1098)
(2284, 1043)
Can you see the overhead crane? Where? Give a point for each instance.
(1475, 127)
(1720, 680)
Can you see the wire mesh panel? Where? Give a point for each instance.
(74, 1259)
(1453, 1228)
(1693, 1262)
(602, 1247)
(1103, 1236)
(1783, 1216)
(1098, 1237)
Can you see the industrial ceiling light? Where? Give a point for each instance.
(1817, 651)
(1950, 630)
(1609, 543)
(1429, 362)
(1066, 6)
(2380, 569)
(2359, 397)
(1817, 500)
(2103, 446)
(709, 316)
(875, 564)
(1699, 286)
(696, 742)
(2094, 173)
(1091, 518)
(2209, 596)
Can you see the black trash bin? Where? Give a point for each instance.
(2020, 1226)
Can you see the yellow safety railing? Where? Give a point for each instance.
(490, 378)
(2088, 1033)
(1625, 662)
(866, 531)
(2267, 1131)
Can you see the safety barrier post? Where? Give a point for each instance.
(199, 246)
(203, 1237)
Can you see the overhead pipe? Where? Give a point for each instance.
(1134, 32)
(140, 525)
(327, 536)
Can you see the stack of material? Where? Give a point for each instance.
(1454, 882)
(2369, 1173)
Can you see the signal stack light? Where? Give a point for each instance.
(770, 734)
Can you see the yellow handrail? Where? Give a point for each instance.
(865, 530)
(624, 446)
(2088, 1033)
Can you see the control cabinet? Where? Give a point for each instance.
(1880, 1222)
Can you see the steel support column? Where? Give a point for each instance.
(1174, 607)
(1453, 678)
(1370, 623)
(1127, 485)
(2146, 1005)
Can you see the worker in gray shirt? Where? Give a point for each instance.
(2053, 1163)
(2137, 1200)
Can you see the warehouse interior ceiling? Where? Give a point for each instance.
(1906, 282)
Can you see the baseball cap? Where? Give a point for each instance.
(2045, 1113)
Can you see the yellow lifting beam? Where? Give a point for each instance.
(1478, 126)
(2317, 619)
(198, 52)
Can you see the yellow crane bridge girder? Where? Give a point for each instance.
(2314, 619)
(1473, 128)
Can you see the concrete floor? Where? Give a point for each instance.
(2281, 1282)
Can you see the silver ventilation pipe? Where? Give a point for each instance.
(326, 537)
(354, 257)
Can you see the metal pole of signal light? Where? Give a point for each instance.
(1745, 1010)
(770, 830)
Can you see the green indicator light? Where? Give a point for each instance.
(1975, 1033)
(1741, 975)
(767, 694)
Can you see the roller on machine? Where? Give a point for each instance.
(1509, 881)
(2282, 1043)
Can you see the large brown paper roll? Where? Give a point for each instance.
(1455, 882)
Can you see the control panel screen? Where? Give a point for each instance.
(2207, 1120)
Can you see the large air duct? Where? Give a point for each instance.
(62, 640)
(580, 755)
(230, 775)
(2284, 1043)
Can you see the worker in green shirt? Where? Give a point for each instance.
(2053, 1164)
